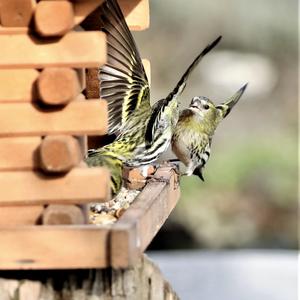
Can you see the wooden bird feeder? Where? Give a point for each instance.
(48, 71)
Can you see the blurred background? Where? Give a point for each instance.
(249, 198)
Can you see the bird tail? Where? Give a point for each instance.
(227, 106)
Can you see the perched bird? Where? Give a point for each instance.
(191, 141)
(142, 133)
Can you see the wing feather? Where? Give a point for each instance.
(123, 80)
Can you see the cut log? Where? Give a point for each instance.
(14, 13)
(59, 153)
(150, 210)
(57, 214)
(79, 117)
(54, 18)
(58, 86)
(53, 247)
(75, 49)
(18, 85)
(19, 153)
(21, 215)
(141, 282)
(80, 185)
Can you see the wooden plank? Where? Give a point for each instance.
(18, 85)
(79, 117)
(80, 185)
(58, 86)
(21, 215)
(139, 224)
(19, 153)
(15, 13)
(75, 49)
(59, 153)
(53, 247)
(136, 12)
(53, 18)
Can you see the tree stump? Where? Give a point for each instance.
(144, 281)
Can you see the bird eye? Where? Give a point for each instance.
(206, 106)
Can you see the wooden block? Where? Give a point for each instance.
(136, 13)
(59, 153)
(20, 215)
(58, 214)
(18, 85)
(13, 30)
(144, 218)
(15, 13)
(58, 86)
(80, 185)
(53, 247)
(79, 117)
(19, 153)
(53, 18)
(75, 49)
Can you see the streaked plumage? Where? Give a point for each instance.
(193, 134)
(142, 132)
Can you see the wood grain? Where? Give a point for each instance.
(80, 185)
(19, 153)
(53, 247)
(79, 117)
(75, 49)
(53, 18)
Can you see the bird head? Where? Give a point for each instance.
(204, 109)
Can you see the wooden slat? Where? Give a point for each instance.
(138, 225)
(53, 247)
(80, 185)
(18, 85)
(75, 49)
(79, 117)
(21, 215)
(136, 12)
(19, 153)
(14, 13)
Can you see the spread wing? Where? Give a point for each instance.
(123, 81)
(157, 111)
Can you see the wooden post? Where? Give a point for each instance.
(144, 281)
